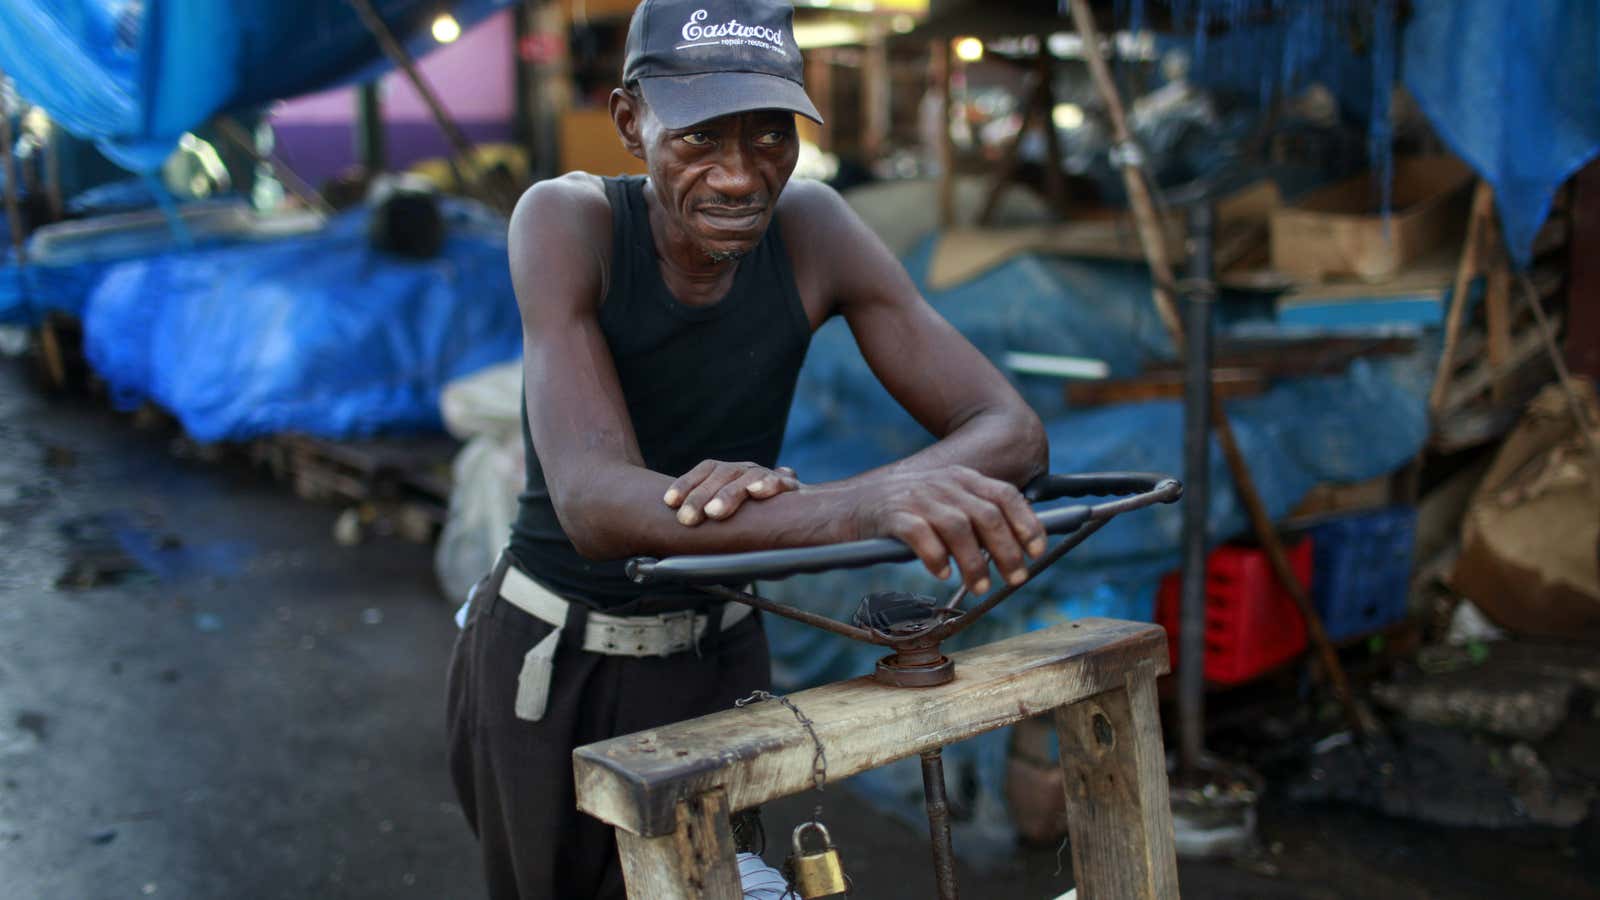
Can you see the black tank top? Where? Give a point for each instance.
(701, 382)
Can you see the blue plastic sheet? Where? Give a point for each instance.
(134, 75)
(318, 334)
(1511, 86)
(1347, 427)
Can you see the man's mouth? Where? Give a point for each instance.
(732, 219)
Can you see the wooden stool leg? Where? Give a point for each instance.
(1118, 813)
(696, 861)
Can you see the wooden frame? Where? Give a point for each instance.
(669, 791)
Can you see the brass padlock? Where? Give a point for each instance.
(817, 874)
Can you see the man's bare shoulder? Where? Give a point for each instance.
(807, 203)
(572, 207)
(559, 244)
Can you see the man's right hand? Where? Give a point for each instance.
(715, 489)
(953, 512)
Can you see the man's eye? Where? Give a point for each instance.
(697, 139)
(771, 138)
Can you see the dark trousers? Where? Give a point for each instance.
(514, 778)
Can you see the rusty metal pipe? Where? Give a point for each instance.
(944, 857)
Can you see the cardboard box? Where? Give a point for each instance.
(1338, 230)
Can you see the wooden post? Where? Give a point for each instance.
(877, 91)
(941, 65)
(1151, 234)
(1119, 816)
(1466, 269)
(695, 862)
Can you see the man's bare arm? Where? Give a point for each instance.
(933, 371)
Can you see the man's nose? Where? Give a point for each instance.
(735, 175)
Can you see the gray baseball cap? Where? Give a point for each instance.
(696, 60)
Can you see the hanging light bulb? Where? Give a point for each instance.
(969, 49)
(446, 29)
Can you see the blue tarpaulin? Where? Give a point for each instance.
(135, 75)
(320, 334)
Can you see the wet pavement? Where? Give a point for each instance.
(203, 696)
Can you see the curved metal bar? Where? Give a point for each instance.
(1094, 484)
(771, 564)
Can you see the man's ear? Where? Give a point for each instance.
(627, 117)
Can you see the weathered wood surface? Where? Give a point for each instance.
(697, 861)
(760, 752)
(1118, 812)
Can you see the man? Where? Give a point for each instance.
(665, 319)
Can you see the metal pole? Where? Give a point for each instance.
(944, 857)
(370, 149)
(1198, 303)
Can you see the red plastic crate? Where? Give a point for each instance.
(1252, 624)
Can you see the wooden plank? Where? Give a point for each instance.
(1497, 319)
(697, 861)
(1161, 385)
(1118, 812)
(759, 753)
(1482, 211)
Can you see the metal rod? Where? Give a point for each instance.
(790, 612)
(371, 148)
(956, 626)
(944, 857)
(1200, 297)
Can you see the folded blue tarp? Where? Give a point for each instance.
(1512, 87)
(1356, 425)
(318, 334)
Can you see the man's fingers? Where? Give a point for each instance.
(955, 529)
(773, 484)
(917, 534)
(1024, 521)
(687, 482)
(1020, 518)
(994, 532)
(694, 507)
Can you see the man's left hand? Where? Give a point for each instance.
(715, 489)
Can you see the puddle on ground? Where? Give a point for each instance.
(112, 548)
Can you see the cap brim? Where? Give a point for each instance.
(683, 100)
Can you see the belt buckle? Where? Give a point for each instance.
(679, 627)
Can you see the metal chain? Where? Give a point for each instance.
(819, 761)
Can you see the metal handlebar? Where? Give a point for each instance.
(734, 568)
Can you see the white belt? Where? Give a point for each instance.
(662, 634)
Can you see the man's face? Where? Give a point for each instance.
(718, 181)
